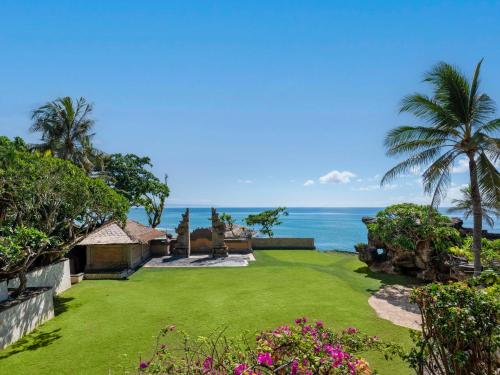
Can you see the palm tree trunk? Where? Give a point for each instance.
(477, 215)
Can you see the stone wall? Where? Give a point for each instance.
(102, 257)
(277, 243)
(160, 247)
(4, 292)
(56, 276)
(22, 318)
(236, 245)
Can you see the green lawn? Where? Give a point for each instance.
(105, 325)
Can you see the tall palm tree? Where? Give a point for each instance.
(458, 124)
(464, 206)
(66, 128)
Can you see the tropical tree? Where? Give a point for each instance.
(464, 206)
(457, 124)
(66, 131)
(130, 176)
(267, 220)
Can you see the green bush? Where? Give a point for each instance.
(404, 226)
(490, 251)
(460, 331)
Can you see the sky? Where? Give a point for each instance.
(258, 103)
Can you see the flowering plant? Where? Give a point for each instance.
(299, 349)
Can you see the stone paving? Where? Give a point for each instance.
(233, 260)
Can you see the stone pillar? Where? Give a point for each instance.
(183, 244)
(219, 248)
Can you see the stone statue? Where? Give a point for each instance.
(183, 244)
(219, 248)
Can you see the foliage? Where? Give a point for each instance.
(52, 195)
(460, 330)
(404, 226)
(228, 220)
(129, 175)
(154, 201)
(464, 205)
(458, 126)
(490, 251)
(65, 126)
(20, 247)
(267, 220)
(300, 348)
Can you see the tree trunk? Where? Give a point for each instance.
(22, 284)
(477, 214)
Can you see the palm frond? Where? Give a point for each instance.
(436, 178)
(418, 160)
(489, 180)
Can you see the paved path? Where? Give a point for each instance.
(233, 260)
(391, 302)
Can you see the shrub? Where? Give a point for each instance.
(460, 331)
(300, 348)
(404, 226)
(490, 251)
(20, 247)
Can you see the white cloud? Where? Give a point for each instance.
(337, 177)
(461, 167)
(245, 181)
(309, 183)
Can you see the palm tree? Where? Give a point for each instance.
(66, 130)
(464, 206)
(458, 125)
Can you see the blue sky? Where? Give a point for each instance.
(245, 103)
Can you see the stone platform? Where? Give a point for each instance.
(233, 260)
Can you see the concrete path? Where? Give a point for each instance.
(391, 302)
(233, 260)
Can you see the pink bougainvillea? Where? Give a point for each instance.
(297, 349)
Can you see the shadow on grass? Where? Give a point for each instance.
(32, 341)
(39, 339)
(61, 304)
(387, 279)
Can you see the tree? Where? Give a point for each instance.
(65, 127)
(267, 220)
(53, 195)
(129, 175)
(464, 206)
(20, 247)
(153, 200)
(228, 220)
(458, 125)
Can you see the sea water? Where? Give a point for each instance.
(332, 228)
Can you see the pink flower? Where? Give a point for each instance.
(240, 369)
(295, 367)
(207, 364)
(302, 320)
(265, 359)
(351, 330)
(143, 365)
(319, 324)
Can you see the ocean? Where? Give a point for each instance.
(332, 228)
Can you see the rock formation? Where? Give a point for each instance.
(423, 263)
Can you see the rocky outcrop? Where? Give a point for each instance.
(423, 263)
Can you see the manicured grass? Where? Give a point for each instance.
(104, 326)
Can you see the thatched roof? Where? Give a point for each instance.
(112, 233)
